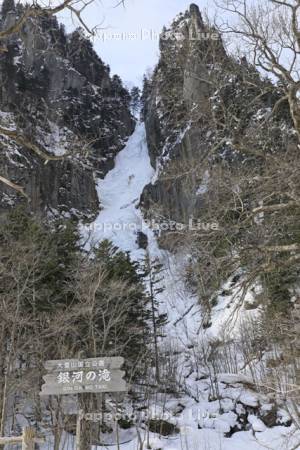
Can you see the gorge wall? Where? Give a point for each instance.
(56, 93)
(195, 115)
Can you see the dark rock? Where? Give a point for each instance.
(125, 423)
(235, 279)
(194, 9)
(207, 324)
(142, 240)
(270, 417)
(179, 408)
(162, 427)
(235, 429)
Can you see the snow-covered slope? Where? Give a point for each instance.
(120, 220)
(119, 193)
(205, 423)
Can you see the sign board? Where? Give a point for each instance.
(77, 376)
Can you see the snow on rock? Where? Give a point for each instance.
(58, 141)
(257, 424)
(230, 378)
(230, 311)
(203, 188)
(7, 120)
(249, 399)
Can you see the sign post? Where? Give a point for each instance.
(80, 376)
(74, 376)
(78, 430)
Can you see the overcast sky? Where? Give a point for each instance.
(130, 57)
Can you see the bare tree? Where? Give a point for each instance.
(270, 37)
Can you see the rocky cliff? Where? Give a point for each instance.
(57, 95)
(222, 141)
(195, 115)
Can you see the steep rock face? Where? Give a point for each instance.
(176, 99)
(181, 78)
(56, 92)
(193, 84)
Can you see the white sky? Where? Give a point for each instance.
(130, 58)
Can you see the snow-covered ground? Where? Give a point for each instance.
(203, 422)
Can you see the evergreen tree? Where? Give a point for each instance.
(145, 94)
(152, 274)
(112, 284)
(135, 102)
(7, 6)
(119, 90)
(41, 257)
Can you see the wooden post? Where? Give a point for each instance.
(117, 435)
(118, 398)
(28, 439)
(117, 424)
(78, 430)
